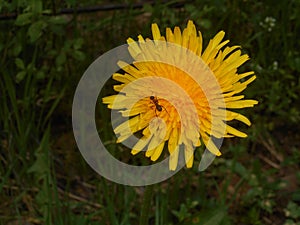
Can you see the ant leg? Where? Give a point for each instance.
(166, 110)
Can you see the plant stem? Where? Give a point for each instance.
(146, 205)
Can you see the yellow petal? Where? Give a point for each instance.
(133, 48)
(210, 145)
(189, 155)
(155, 142)
(235, 132)
(177, 35)
(239, 87)
(129, 69)
(234, 98)
(200, 41)
(170, 35)
(142, 142)
(155, 32)
(236, 116)
(228, 50)
(173, 161)
(109, 99)
(237, 62)
(122, 138)
(126, 127)
(218, 38)
(243, 75)
(241, 104)
(173, 140)
(158, 151)
(124, 78)
(150, 152)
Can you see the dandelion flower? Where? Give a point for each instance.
(178, 95)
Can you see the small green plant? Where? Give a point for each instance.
(292, 213)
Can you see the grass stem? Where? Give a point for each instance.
(144, 217)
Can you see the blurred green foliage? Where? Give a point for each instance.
(44, 52)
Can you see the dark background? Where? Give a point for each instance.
(46, 46)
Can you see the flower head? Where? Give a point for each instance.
(178, 94)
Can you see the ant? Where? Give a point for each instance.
(157, 105)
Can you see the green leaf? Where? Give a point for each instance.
(79, 55)
(58, 20)
(208, 217)
(20, 76)
(148, 8)
(240, 169)
(293, 210)
(19, 63)
(78, 43)
(60, 59)
(40, 167)
(216, 218)
(40, 75)
(57, 29)
(182, 213)
(36, 29)
(297, 63)
(205, 23)
(37, 6)
(17, 48)
(47, 12)
(23, 19)
(71, 2)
